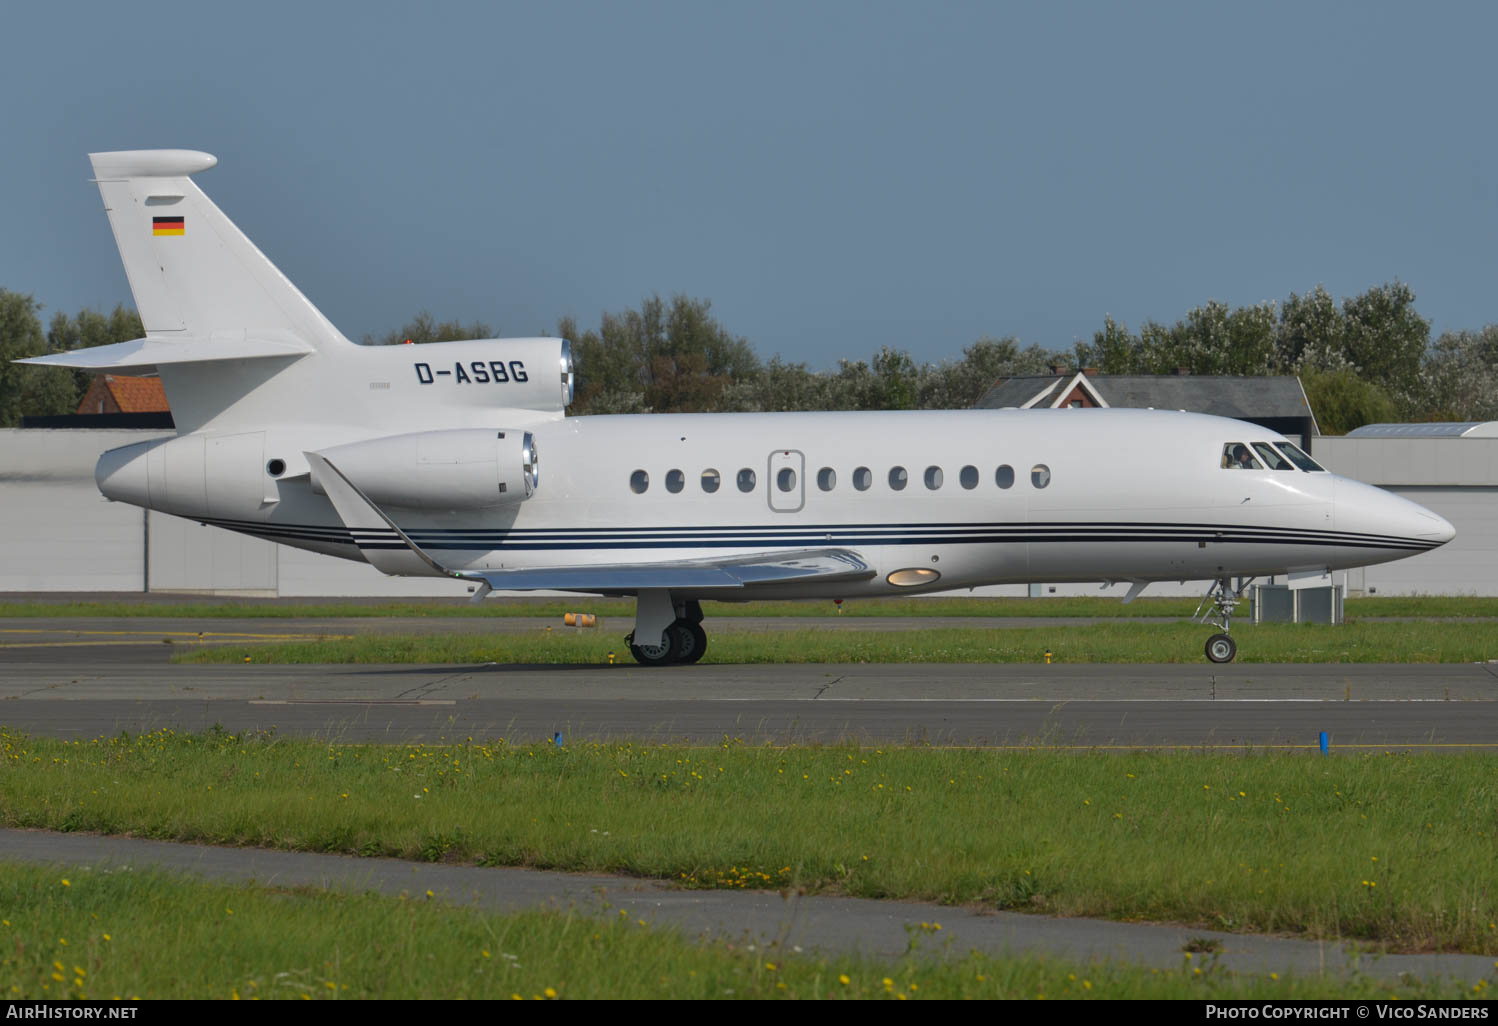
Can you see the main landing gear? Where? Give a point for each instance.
(1223, 599)
(682, 642)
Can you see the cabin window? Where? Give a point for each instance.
(638, 482)
(898, 478)
(862, 478)
(1236, 456)
(933, 478)
(746, 480)
(968, 477)
(1040, 475)
(1272, 459)
(785, 479)
(675, 481)
(1299, 458)
(826, 479)
(711, 479)
(1004, 476)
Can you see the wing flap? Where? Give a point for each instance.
(731, 572)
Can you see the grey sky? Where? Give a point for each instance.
(833, 176)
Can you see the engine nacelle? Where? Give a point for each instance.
(470, 468)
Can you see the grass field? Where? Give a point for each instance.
(79, 933)
(1432, 606)
(1393, 851)
(1123, 642)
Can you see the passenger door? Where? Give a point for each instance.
(787, 483)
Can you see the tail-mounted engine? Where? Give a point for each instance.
(470, 468)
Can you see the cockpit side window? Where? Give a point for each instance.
(1272, 459)
(1236, 456)
(1299, 458)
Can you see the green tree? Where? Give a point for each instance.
(1459, 376)
(674, 358)
(1386, 339)
(1311, 333)
(426, 328)
(1342, 400)
(896, 380)
(91, 328)
(28, 391)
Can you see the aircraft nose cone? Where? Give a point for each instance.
(1365, 509)
(1434, 527)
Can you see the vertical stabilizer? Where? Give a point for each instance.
(193, 273)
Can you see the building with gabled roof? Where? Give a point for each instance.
(120, 393)
(1278, 403)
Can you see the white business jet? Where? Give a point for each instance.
(425, 460)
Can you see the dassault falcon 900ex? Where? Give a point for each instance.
(426, 460)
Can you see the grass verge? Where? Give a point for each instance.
(1407, 642)
(1389, 850)
(131, 935)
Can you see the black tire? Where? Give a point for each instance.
(691, 641)
(663, 654)
(1221, 648)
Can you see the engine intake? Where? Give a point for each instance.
(471, 468)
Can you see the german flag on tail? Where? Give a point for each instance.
(168, 226)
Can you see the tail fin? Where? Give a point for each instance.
(193, 273)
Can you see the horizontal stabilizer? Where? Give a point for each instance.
(145, 354)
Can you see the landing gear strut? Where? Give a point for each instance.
(682, 642)
(1223, 599)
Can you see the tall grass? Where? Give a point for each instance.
(1386, 849)
(106, 933)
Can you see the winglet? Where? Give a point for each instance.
(380, 540)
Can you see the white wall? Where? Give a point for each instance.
(57, 533)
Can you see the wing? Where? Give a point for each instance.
(389, 548)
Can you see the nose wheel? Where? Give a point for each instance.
(1216, 609)
(1221, 648)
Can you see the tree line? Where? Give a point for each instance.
(1369, 358)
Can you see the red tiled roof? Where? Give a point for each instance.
(119, 393)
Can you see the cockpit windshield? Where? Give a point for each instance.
(1272, 459)
(1299, 458)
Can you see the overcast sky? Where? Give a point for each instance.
(833, 176)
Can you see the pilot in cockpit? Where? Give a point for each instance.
(1235, 456)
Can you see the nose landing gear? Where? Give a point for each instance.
(1222, 598)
